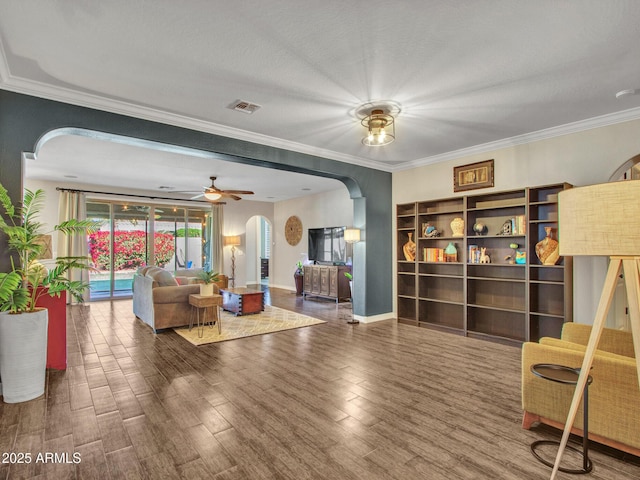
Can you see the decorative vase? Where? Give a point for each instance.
(548, 249)
(206, 289)
(457, 227)
(23, 355)
(409, 249)
(451, 253)
(299, 281)
(480, 228)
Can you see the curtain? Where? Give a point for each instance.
(216, 238)
(72, 205)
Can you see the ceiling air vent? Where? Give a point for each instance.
(244, 107)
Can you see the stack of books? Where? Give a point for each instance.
(518, 225)
(433, 254)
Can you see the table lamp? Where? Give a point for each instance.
(602, 219)
(233, 240)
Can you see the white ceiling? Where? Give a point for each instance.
(469, 76)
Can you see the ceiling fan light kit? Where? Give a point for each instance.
(213, 194)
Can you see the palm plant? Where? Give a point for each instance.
(208, 276)
(24, 233)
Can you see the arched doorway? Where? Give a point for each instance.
(258, 250)
(371, 189)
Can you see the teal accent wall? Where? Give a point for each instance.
(25, 119)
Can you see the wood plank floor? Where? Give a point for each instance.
(333, 401)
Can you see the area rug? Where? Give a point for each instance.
(272, 319)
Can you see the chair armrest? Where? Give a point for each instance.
(614, 395)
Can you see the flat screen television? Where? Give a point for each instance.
(327, 245)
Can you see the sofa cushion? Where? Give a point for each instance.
(162, 277)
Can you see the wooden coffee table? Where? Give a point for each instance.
(242, 301)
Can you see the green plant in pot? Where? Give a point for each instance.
(23, 325)
(208, 278)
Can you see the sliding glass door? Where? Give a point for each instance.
(133, 236)
(118, 249)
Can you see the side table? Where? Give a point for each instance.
(206, 303)
(568, 376)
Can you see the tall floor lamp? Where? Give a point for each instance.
(603, 220)
(352, 235)
(233, 240)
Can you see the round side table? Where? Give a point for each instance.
(568, 376)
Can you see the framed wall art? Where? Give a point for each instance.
(472, 176)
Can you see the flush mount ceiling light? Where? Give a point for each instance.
(379, 122)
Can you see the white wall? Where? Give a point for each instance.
(329, 209)
(583, 158)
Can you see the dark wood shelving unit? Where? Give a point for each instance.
(500, 301)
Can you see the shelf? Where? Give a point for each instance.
(496, 301)
(437, 275)
(506, 237)
(493, 279)
(441, 211)
(441, 301)
(496, 308)
(441, 238)
(547, 282)
(542, 314)
(544, 221)
(500, 207)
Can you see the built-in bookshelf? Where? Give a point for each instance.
(494, 286)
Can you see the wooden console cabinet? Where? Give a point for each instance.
(501, 300)
(326, 281)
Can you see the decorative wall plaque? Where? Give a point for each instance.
(293, 230)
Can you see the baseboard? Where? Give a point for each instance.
(375, 318)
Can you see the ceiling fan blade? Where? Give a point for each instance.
(230, 195)
(237, 192)
(197, 196)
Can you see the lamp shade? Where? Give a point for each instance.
(233, 240)
(601, 219)
(352, 235)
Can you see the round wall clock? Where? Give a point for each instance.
(293, 230)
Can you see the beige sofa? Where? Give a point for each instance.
(160, 300)
(614, 396)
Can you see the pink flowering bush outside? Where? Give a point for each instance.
(129, 249)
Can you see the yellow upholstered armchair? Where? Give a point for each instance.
(614, 396)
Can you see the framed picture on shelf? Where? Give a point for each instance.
(472, 176)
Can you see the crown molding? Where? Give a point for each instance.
(65, 95)
(547, 133)
(82, 99)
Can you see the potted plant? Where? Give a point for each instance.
(23, 325)
(298, 278)
(208, 278)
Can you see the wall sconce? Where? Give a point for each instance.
(352, 235)
(233, 240)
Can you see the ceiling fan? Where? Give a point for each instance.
(213, 193)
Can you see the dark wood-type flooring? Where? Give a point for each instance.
(333, 401)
